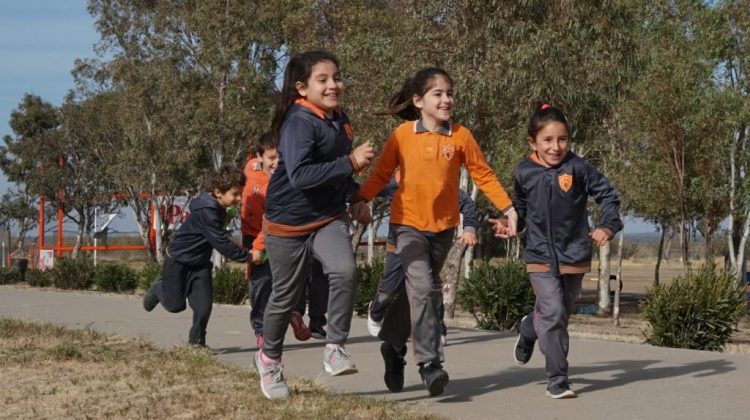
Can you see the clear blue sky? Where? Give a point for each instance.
(39, 41)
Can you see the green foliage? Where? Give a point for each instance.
(71, 273)
(39, 278)
(9, 276)
(115, 278)
(230, 285)
(498, 296)
(148, 274)
(694, 312)
(368, 278)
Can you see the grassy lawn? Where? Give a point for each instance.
(54, 372)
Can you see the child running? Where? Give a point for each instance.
(306, 211)
(389, 306)
(258, 171)
(429, 149)
(187, 265)
(551, 190)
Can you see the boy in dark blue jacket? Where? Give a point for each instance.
(187, 265)
(550, 194)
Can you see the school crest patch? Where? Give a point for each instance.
(565, 181)
(348, 131)
(447, 151)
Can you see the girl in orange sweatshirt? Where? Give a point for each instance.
(429, 149)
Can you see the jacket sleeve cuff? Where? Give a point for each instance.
(355, 167)
(608, 231)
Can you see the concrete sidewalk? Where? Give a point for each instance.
(613, 380)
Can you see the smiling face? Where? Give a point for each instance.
(436, 104)
(270, 160)
(324, 88)
(551, 143)
(229, 198)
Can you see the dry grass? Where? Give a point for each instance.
(53, 372)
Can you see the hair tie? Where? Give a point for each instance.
(544, 106)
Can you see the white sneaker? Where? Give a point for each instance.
(373, 326)
(337, 361)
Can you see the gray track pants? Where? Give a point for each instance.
(290, 259)
(548, 323)
(422, 256)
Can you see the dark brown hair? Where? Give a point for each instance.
(544, 113)
(226, 178)
(402, 104)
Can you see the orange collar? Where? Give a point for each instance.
(535, 157)
(312, 107)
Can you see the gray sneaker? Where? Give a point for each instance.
(337, 361)
(271, 379)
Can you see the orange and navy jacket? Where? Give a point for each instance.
(314, 178)
(551, 203)
(427, 197)
(254, 202)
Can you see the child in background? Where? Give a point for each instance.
(306, 210)
(258, 171)
(429, 149)
(551, 191)
(187, 265)
(392, 286)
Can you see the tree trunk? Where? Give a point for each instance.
(660, 253)
(604, 303)
(450, 277)
(616, 306)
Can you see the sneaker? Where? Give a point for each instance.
(318, 332)
(394, 367)
(150, 301)
(433, 377)
(337, 361)
(560, 391)
(523, 349)
(271, 378)
(301, 332)
(373, 326)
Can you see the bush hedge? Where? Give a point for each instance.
(115, 278)
(148, 274)
(498, 296)
(697, 311)
(73, 273)
(368, 279)
(230, 285)
(39, 278)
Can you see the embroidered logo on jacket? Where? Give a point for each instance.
(348, 131)
(447, 151)
(565, 181)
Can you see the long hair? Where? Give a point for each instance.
(402, 103)
(298, 69)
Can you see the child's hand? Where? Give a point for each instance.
(500, 228)
(257, 257)
(512, 223)
(599, 236)
(360, 212)
(362, 155)
(468, 239)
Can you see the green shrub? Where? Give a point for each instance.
(497, 296)
(693, 312)
(115, 278)
(148, 274)
(39, 278)
(9, 276)
(73, 273)
(230, 285)
(368, 279)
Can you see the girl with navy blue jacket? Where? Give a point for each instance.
(306, 211)
(551, 191)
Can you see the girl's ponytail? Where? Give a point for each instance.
(402, 103)
(298, 69)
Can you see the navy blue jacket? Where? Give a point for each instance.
(314, 179)
(203, 231)
(551, 202)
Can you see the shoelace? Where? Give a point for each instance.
(275, 371)
(340, 351)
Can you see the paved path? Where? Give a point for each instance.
(614, 380)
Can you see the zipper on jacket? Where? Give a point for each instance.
(550, 235)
